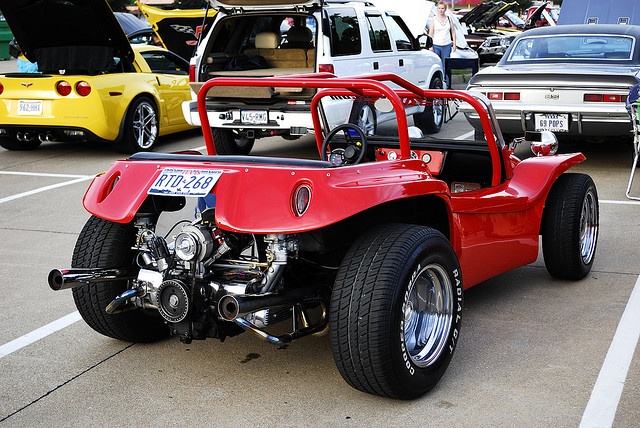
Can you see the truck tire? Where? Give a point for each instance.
(103, 243)
(227, 142)
(396, 311)
(430, 120)
(364, 115)
(570, 224)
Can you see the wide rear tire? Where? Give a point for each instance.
(396, 311)
(570, 226)
(103, 244)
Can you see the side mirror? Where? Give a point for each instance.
(544, 143)
(425, 40)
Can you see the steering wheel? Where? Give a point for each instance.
(356, 145)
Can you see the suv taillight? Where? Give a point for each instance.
(326, 68)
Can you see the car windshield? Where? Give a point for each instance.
(572, 47)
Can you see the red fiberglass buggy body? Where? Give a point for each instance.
(374, 242)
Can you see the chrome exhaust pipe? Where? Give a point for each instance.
(233, 306)
(63, 279)
(19, 136)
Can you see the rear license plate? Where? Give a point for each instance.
(555, 122)
(254, 117)
(30, 107)
(185, 182)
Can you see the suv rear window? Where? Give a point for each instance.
(345, 32)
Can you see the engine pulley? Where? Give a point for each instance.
(173, 300)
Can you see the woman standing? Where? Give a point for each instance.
(443, 34)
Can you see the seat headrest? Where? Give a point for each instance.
(267, 40)
(299, 34)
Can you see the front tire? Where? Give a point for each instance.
(227, 142)
(141, 127)
(431, 119)
(396, 311)
(570, 226)
(104, 244)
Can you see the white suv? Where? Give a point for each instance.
(280, 37)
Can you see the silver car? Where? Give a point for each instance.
(571, 79)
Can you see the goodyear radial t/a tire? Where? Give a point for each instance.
(570, 224)
(103, 243)
(396, 311)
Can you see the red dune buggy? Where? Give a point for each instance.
(375, 241)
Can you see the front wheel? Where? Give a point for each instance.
(140, 127)
(570, 226)
(396, 311)
(431, 119)
(228, 142)
(104, 244)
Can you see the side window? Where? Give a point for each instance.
(162, 62)
(378, 34)
(400, 33)
(345, 32)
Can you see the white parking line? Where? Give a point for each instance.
(79, 179)
(601, 408)
(39, 333)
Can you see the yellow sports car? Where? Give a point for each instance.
(92, 84)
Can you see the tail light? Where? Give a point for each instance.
(83, 88)
(1, 88)
(192, 73)
(301, 199)
(500, 96)
(604, 98)
(326, 68)
(63, 88)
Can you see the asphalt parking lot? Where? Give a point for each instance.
(533, 352)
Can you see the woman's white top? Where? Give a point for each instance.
(441, 31)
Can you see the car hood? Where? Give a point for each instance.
(536, 15)
(178, 30)
(47, 30)
(246, 5)
(131, 25)
(487, 14)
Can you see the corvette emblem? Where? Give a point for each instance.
(26, 85)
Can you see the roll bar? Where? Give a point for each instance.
(361, 86)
